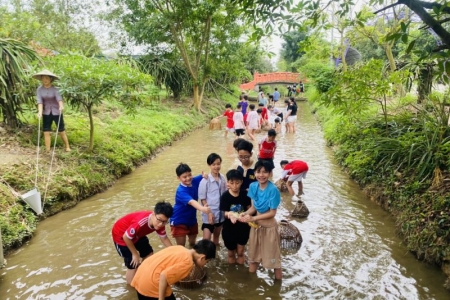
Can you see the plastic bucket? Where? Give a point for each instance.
(33, 198)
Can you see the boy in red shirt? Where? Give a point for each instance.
(267, 147)
(130, 235)
(264, 115)
(230, 123)
(294, 171)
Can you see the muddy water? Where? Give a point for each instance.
(350, 250)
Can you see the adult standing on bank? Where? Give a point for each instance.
(50, 107)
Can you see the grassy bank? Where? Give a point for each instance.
(402, 166)
(122, 142)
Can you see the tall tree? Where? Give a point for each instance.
(191, 27)
(290, 47)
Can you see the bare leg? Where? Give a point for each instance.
(278, 274)
(65, 140)
(300, 188)
(207, 234)
(289, 187)
(253, 267)
(231, 256)
(240, 254)
(180, 240)
(47, 140)
(250, 134)
(217, 231)
(192, 239)
(130, 275)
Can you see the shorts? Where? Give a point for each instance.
(142, 297)
(49, 119)
(291, 119)
(280, 116)
(229, 129)
(142, 245)
(297, 177)
(232, 238)
(211, 226)
(183, 230)
(264, 247)
(239, 132)
(269, 160)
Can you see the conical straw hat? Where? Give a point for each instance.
(44, 72)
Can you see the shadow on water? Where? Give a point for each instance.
(349, 251)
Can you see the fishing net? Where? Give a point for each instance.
(281, 185)
(194, 280)
(290, 236)
(300, 210)
(215, 124)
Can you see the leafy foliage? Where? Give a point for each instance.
(87, 82)
(15, 69)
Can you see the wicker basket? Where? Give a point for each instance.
(215, 124)
(281, 185)
(290, 236)
(194, 280)
(300, 210)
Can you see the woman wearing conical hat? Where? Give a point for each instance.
(50, 107)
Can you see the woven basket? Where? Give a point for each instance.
(215, 124)
(300, 210)
(290, 236)
(194, 280)
(281, 185)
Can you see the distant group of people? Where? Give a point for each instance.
(240, 206)
(245, 118)
(296, 90)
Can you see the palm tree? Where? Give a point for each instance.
(15, 65)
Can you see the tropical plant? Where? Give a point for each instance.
(15, 73)
(165, 71)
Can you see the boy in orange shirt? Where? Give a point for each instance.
(168, 266)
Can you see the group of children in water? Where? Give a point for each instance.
(241, 206)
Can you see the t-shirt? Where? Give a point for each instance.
(135, 226)
(253, 119)
(267, 149)
(175, 262)
(276, 96)
(229, 114)
(49, 98)
(295, 167)
(264, 114)
(244, 105)
(183, 213)
(249, 176)
(238, 120)
(293, 109)
(263, 101)
(264, 200)
(211, 190)
(238, 204)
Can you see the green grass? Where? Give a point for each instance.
(121, 142)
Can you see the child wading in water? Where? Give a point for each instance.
(184, 219)
(209, 193)
(246, 167)
(234, 201)
(264, 242)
